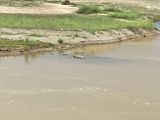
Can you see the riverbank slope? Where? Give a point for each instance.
(61, 40)
(86, 24)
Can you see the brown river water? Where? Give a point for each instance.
(119, 81)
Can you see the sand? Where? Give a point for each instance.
(45, 8)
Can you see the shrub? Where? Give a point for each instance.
(76, 35)
(112, 10)
(60, 41)
(66, 2)
(88, 9)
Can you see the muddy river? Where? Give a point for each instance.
(119, 81)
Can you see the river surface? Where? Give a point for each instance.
(157, 25)
(119, 81)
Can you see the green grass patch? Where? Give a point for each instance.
(122, 11)
(114, 12)
(71, 22)
(125, 15)
(23, 44)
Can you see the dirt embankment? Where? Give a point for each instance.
(71, 39)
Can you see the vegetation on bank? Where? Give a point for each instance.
(89, 9)
(90, 17)
(123, 11)
(74, 22)
(9, 45)
(157, 18)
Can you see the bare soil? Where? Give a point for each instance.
(73, 37)
(45, 8)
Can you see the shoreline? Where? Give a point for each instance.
(99, 37)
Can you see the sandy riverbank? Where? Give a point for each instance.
(70, 38)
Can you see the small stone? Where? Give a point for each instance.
(145, 35)
(78, 57)
(21, 51)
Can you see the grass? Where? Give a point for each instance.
(36, 35)
(85, 20)
(125, 15)
(157, 18)
(122, 11)
(111, 9)
(23, 44)
(73, 22)
(88, 9)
